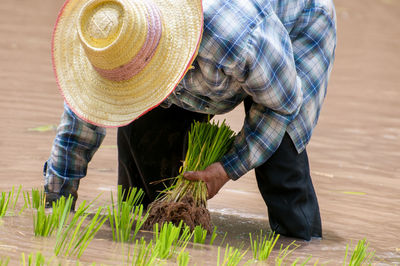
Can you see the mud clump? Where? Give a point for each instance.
(184, 210)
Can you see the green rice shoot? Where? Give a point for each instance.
(74, 238)
(232, 256)
(126, 213)
(262, 246)
(207, 143)
(199, 235)
(4, 261)
(284, 253)
(4, 201)
(213, 235)
(45, 224)
(143, 253)
(360, 255)
(33, 200)
(295, 262)
(183, 258)
(170, 238)
(33, 259)
(133, 196)
(8, 201)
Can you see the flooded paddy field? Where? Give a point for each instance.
(354, 153)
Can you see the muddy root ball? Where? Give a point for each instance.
(185, 210)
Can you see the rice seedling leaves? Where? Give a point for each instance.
(44, 128)
(8, 200)
(45, 224)
(284, 253)
(34, 259)
(183, 258)
(294, 263)
(262, 246)
(126, 213)
(360, 255)
(354, 193)
(232, 256)
(199, 235)
(4, 261)
(4, 201)
(169, 238)
(74, 238)
(35, 200)
(143, 254)
(213, 235)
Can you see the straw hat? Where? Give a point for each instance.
(115, 60)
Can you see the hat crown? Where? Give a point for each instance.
(104, 23)
(101, 23)
(112, 32)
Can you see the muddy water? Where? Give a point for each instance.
(354, 153)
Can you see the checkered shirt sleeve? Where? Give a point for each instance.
(75, 143)
(287, 76)
(279, 53)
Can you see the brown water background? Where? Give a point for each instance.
(354, 153)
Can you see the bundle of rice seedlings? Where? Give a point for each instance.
(207, 143)
(187, 200)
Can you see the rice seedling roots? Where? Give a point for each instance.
(184, 210)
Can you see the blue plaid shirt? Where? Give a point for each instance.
(278, 52)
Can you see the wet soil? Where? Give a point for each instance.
(354, 153)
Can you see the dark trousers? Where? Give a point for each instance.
(286, 187)
(153, 147)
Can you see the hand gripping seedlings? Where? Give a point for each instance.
(187, 200)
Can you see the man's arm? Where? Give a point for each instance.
(269, 75)
(73, 148)
(270, 78)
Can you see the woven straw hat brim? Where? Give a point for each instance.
(110, 103)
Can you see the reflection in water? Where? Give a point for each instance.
(17, 237)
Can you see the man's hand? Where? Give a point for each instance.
(214, 176)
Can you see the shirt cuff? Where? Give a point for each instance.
(58, 185)
(233, 166)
